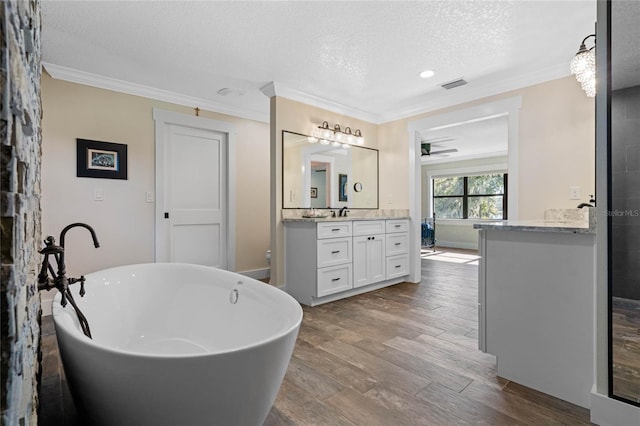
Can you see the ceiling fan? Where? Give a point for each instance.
(425, 149)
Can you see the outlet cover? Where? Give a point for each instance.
(574, 193)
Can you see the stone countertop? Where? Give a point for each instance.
(339, 219)
(539, 226)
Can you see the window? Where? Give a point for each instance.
(470, 197)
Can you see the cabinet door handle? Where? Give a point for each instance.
(335, 229)
(398, 226)
(397, 244)
(335, 279)
(335, 252)
(398, 266)
(373, 238)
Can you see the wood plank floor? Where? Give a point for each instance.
(626, 348)
(402, 355)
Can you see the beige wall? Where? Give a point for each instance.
(124, 221)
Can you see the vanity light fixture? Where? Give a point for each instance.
(583, 66)
(337, 136)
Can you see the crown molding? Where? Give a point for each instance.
(279, 89)
(269, 89)
(432, 101)
(102, 82)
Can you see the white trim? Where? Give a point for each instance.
(81, 77)
(470, 171)
(162, 118)
(455, 244)
(511, 107)
(464, 222)
(606, 411)
(432, 101)
(269, 89)
(280, 90)
(430, 160)
(258, 274)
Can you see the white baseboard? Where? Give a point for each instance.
(258, 274)
(606, 411)
(456, 244)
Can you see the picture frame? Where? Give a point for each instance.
(314, 192)
(104, 160)
(342, 187)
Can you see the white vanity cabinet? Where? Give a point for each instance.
(333, 258)
(330, 260)
(397, 248)
(368, 252)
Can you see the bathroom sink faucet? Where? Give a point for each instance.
(343, 212)
(49, 278)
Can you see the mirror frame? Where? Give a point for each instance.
(604, 100)
(377, 206)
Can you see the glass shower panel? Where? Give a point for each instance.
(624, 249)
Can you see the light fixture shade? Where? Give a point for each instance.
(589, 86)
(583, 65)
(336, 136)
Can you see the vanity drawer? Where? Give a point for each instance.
(334, 251)
(368, 227)
(397, 266)
(334, 279)
(397, 225)
(397, 243)
(333, 230)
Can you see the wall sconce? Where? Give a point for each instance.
(583, 66)
(336, 136)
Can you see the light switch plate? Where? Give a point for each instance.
(149, 197)
(98, 194)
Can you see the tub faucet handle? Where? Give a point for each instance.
(81, 281)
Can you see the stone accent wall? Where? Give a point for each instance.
(20, 213)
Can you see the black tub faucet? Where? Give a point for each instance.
(49, 278)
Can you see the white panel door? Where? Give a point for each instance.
(195, 196)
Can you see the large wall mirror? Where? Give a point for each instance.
(624, 248)
(327, 176)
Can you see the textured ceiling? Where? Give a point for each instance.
(363, 56)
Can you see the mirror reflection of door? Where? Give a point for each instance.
(320, 173)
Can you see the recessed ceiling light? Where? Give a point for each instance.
(427, 73)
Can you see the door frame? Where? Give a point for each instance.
(510, 107)
(163, 119)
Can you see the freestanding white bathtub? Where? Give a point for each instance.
(170, 346)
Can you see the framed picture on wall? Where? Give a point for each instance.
(98, 159)
(342, 187)
(314, 192)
